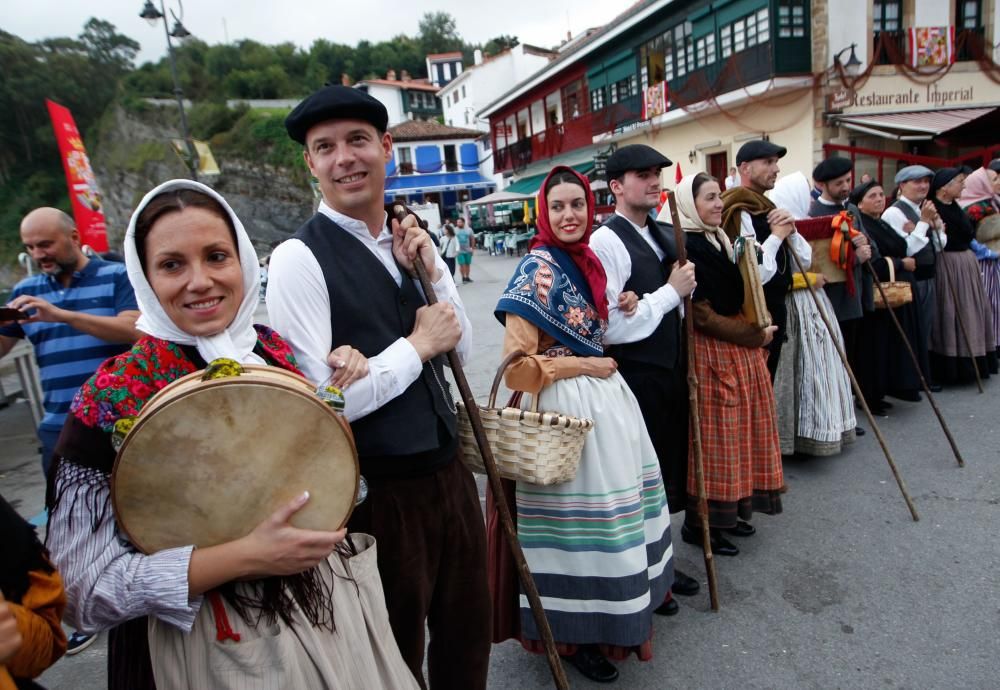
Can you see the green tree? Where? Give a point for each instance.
(500, 43)
(438, 33)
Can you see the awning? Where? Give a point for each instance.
(530, 185)
(922, 126)
(502, 197)
(435, 182)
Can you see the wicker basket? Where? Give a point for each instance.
(897, 292)
(528, 446)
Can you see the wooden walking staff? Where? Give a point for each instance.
(961, 325)
(857, 388)
(916, 365)
(692, 379)
(530, 590)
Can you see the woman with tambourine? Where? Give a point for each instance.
(268, 606)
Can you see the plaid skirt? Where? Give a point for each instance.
(739, 436)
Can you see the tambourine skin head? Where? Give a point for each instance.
(207, 461)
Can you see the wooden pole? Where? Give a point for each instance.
(961, 324)
(692, 380)
(506, 521)
(916, 365)
(857, 388)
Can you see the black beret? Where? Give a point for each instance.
(758, 148)
(335, 103)
(858, 193)
(946, 175)
(994, 165)
(634, 157)
(831, 169)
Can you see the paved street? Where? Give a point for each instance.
(843, 590)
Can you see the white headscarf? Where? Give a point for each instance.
(691, 221)
(239, 338)
(791, 193)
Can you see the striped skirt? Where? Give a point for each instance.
(599, 546)
(739, 435)
(812, 390)
(960, 294)
(990, 271)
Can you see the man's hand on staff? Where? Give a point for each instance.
(348, 366)
(436, 331)
(410, 240)
(928, 212)
(781, 216)
(682, 279)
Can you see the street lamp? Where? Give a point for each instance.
(853, 64)
(153, 15)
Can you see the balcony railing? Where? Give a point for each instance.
(891, 47)
(566, 136)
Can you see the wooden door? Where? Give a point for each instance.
(718, 166)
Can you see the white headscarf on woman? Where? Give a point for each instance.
(239, 338)
(791, 193)
(691, 221)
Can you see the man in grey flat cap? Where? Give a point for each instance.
(915, 219)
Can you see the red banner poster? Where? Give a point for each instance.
(83, 191)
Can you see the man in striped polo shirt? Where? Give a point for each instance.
(80, 312)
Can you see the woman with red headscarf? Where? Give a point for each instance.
(598, 545)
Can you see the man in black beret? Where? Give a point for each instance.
(639, 254)
(347, 278)
(750, 214)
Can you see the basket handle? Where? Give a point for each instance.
(892, 269)
(495, 388)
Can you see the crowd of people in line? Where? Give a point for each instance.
(596, 314)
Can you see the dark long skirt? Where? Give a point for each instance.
(662, 395)
(871, 361)
(903, 377)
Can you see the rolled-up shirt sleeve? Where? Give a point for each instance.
(916, 239)
(653, 306)
(107, 581)
(298, 305)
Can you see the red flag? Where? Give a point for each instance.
(83, 191)
(678, 174)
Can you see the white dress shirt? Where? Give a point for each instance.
(653, 306)
(770, 248)
(298, 304)
(917, 238)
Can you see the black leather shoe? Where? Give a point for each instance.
(742, 529)
(879, 411)
(685, 585)
(935, 387)
(886, 404)
(858, 431)
(720, 545)
(908, 396)
(668, 608)
(592, 664)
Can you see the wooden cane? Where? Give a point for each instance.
(692, 380)
(916, 364)
(527, 581)
(961, 325)
(857, 388)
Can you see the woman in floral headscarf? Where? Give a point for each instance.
(981, 201)
(266, 609)
(598, 545)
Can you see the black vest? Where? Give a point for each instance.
(414, 432)
(662, 347)
(781, 282)
(926, 258)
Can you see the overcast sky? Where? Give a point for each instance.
(539, 22)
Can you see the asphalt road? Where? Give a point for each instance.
(843, 590)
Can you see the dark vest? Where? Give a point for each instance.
(777, 288)
(926, 258)
(662, 347)
(414, 432)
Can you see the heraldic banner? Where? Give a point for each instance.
(83, 191)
